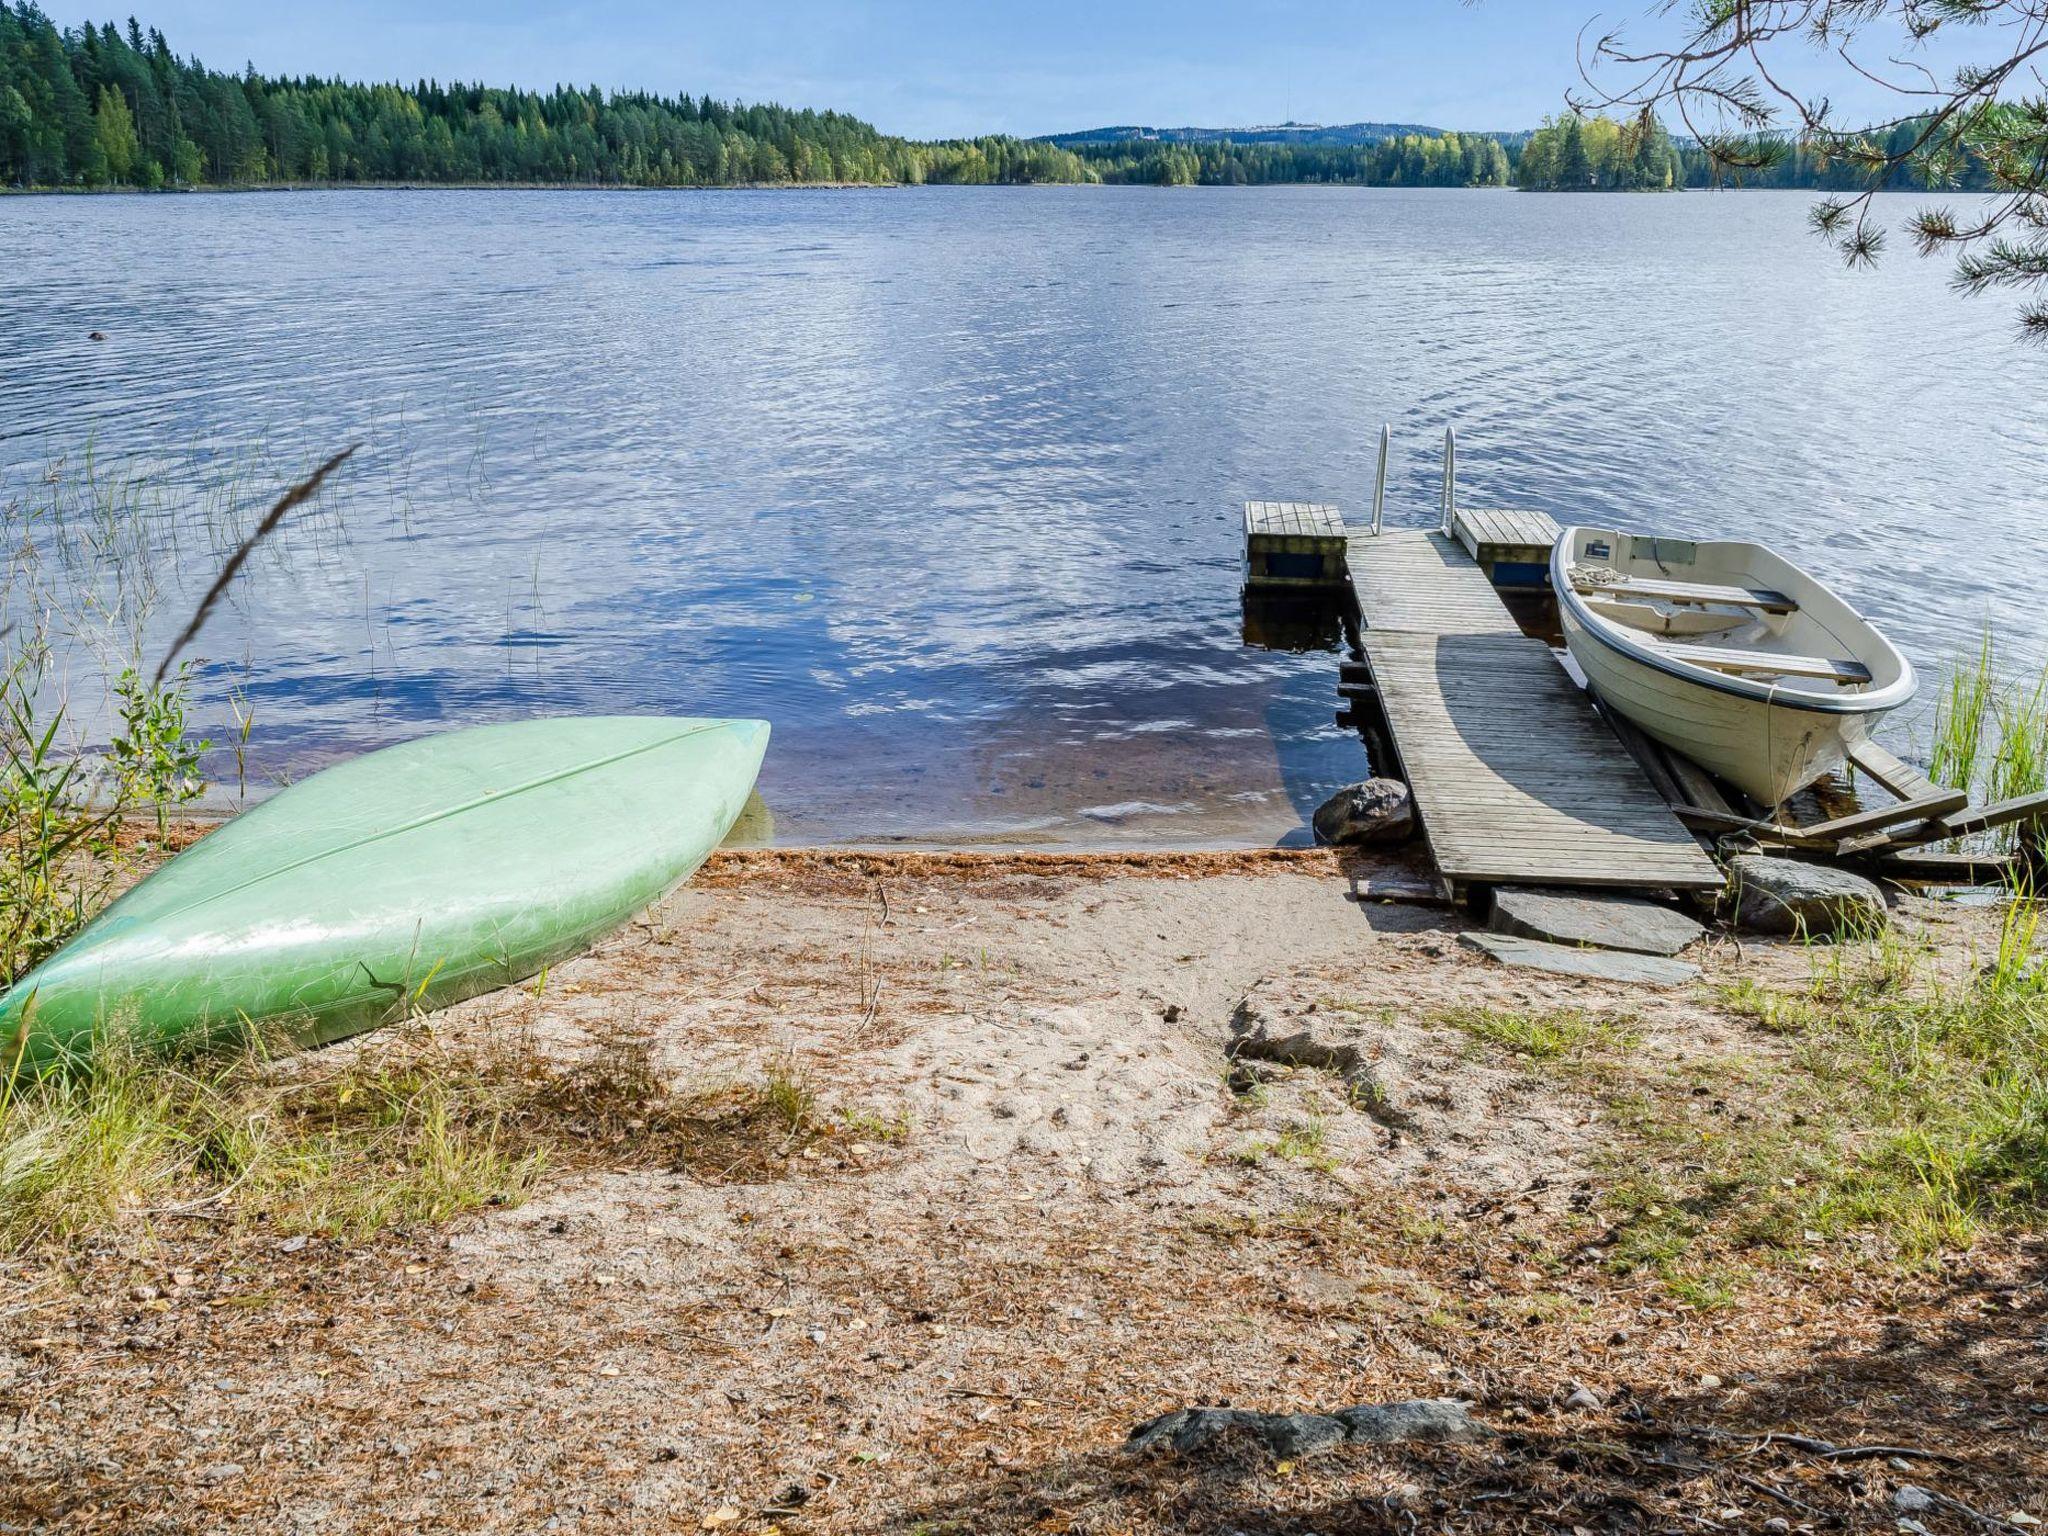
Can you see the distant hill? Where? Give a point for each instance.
(1280, 133)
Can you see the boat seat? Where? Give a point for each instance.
(1768, 663)
(1762, 599)
(1652, 620)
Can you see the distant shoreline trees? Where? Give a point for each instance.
(1412, 160)
(109, 107)
(102, 107)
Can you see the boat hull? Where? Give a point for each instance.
(1725, 652)
(403, 880)
(1768, 751)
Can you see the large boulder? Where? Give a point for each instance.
(1375, 813)
(1810, 901)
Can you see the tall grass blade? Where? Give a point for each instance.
(299, 493)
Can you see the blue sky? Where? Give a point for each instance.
(941, 67)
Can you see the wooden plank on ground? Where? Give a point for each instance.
(1936, 868)
(2001, 813)
(1901, 778)
(1926, 808)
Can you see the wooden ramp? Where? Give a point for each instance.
(1516, 779)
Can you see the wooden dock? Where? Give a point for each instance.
(1516, 779)
(1298, 544)
(1512, 548)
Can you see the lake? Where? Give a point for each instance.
(946, 482)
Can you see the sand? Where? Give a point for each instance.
(1053, 1204)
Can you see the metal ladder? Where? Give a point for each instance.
(1450, 492)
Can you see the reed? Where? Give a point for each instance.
(1961, 713)
(2019, 765)
(1991, 732)
(85, 544)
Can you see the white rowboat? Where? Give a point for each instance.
(1725, 652)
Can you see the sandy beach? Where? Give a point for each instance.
(1039, 1172)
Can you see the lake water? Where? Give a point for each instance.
(946, 483)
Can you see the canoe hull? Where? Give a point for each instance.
(406, 879)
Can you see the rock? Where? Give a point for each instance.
(1784, 896)
(1599, 964)
(96, 336)
(1583, 1400)
(1596, 918)
(1328, 1042)
(1292, 1436)
(1433, 1419)
(1910, 1500)
(1375, 813)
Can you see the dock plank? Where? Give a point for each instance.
(1517, 779)
(1425, 583)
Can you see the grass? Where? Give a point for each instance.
(1991, 732)
(1961, 713)
(1563, 1035)
(1915, 1116)
(1304, 1141)
(352, 1142)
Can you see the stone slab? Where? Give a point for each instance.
(1587, 917)
(1598, 964)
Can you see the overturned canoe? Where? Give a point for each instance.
(409, 878)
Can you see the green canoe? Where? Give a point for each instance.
(409, 878)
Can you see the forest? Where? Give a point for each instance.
(101, 106)
(112, 107)
(1598, 154)
(1411, 160)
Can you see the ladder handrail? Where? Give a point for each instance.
(1450, 510)
(1379, 486)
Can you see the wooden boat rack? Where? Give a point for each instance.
(1890, 839)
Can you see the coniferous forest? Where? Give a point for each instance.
(108, 106)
